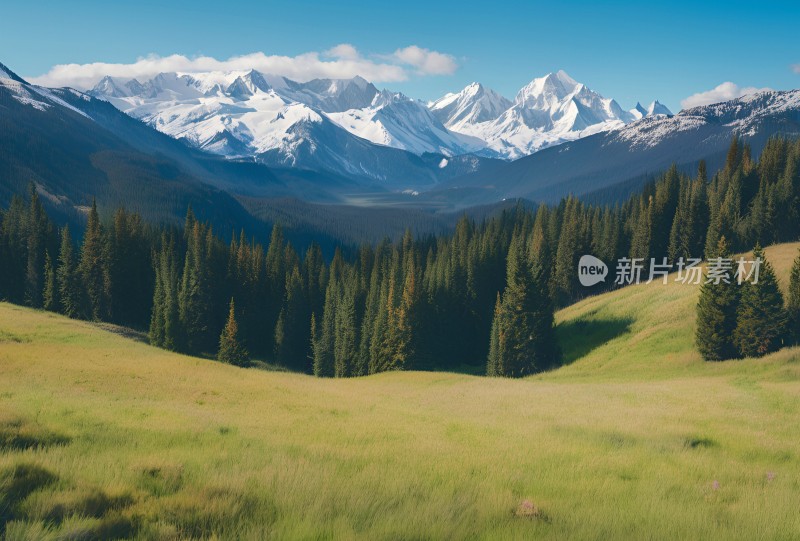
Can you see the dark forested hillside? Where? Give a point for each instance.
(488, 290)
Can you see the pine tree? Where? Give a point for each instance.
(524, 325)
(231, 350)
(761, 321)
(39, 227)
(130, 270)
(68, 278)
(716, 313)
(493, 365)
(291, 330)
(165, 326)
(94, 268)
(50, 295)
(195, 294)
(325, 339)
(345, 339)
(793, 307)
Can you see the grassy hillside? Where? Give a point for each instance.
(647, 331)
(102, 436)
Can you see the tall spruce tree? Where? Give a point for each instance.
(716, 312)
(231, 350)
(291, 330)
(494, 365)
(94, 268)
(346, 337)
(38, 236)
(326, 334)
(50, 295)
(761, 322)
(524, 325)
(68, 277)
(195, 294)
(793, 306)
(165, 325)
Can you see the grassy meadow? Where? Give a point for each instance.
(104, 437)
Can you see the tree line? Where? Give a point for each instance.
(479, 298)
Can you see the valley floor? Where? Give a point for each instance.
(105, 437)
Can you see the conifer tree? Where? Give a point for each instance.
(493, 365)
(793, 307)
(231, 350)
(291, 330)
(69, 287)
(195, 294)
(567, 252)
(325, 339)
(38, 226)
(50, 295)
(94, 268)
(761, 320)
(525, 333)
(345, 337)
(165, 326)
(716, 313)
(130, 270)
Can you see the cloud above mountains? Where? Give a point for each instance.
(724, 92)
(340, 62)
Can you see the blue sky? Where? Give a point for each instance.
(625, 50)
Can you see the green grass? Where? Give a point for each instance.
(105, 437)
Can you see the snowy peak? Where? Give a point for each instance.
(547, 111)
(6, 73)
(657, 108)
(247, 85)
(395, 120)
(330, 95)
(474, 104)
(543, 91)
(113, 87)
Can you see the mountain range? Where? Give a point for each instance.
(244, 148)
(282, 122)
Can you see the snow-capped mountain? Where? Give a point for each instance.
(248, 114)
(327, 95)
(611, 164)
(473, 105)
(548, 111)
(395, 120)
(655, 108)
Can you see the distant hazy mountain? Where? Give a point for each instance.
(610, 164)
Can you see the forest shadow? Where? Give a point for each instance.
(580, 337)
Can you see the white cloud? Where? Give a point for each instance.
(796, 68)
(342, 61)
(343, 50)
(426, 62)
(724, 92)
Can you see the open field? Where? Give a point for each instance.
(105, 437)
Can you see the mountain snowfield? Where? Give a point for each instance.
(250, 114)
(547, 111)
(353, 144)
